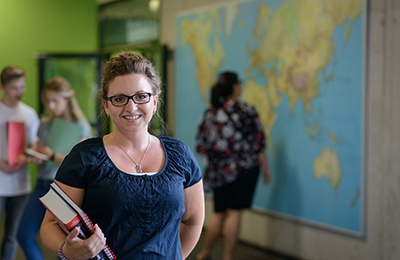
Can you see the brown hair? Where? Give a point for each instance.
(10, 73)
(223, 88)
(129, 63)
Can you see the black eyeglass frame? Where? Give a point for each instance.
(130, 97)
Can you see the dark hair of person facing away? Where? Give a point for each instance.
(62, 87)
(10, 73)
(223, 88)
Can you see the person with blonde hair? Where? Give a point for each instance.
(15, 184)
(58, 98)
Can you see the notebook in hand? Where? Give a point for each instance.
(63, 135)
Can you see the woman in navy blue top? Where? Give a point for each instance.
(143, 192)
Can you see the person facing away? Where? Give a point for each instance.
(15, 184)
(58, 98)
(231, 141)
(144, 193)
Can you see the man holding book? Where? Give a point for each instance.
(15, 184)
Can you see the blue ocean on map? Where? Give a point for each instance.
(295, 192)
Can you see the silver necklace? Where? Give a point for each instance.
(138, 166)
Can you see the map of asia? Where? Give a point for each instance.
(302, 66)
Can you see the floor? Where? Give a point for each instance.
(242, 251)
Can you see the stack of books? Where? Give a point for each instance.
(69, 215)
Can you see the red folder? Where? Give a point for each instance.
(15, 140)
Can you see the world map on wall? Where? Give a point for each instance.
(301, 63)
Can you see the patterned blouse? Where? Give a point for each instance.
(229, 139)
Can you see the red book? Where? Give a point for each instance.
(15, 140)
(69, 215)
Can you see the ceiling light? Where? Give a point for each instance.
(154, 5)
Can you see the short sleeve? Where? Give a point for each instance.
(194, 175)
(33, 123)
(181, 161)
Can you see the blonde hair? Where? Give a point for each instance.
(63, 88)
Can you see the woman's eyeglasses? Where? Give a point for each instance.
(122, 100)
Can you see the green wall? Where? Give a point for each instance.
(30, 27)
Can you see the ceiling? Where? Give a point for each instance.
(127, 9)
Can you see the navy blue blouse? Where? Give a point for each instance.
(140, 215)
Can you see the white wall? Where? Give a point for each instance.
(382, 151)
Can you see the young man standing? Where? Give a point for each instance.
(15, 184)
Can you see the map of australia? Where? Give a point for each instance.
(302, 67)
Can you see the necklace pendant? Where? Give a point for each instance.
(138, 169)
